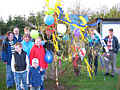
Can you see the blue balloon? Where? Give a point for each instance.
(48, 57)
(85, 34)
(49, 20)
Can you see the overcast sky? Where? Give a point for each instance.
(24, 7)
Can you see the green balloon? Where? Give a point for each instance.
(50, 12)
(34, 34)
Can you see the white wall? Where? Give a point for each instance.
(106, 27)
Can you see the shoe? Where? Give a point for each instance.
(106, 74)
(9, 87)
(112, 75)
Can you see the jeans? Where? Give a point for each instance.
(111, 61)
(9, 77)
(96, 64)
(35, 88)
(42, 78)
(21, 77)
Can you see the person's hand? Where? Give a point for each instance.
(5, 62)
(41, 69)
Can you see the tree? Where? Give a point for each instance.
(17, 21)
(3, 27)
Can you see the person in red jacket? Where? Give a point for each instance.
(38, 52)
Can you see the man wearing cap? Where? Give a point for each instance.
(113, 46)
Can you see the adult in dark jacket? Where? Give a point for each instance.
(7, 51)
(113, 47)
(17, 36)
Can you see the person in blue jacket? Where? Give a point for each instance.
(27, 44)
(35, 73)
(7, 51)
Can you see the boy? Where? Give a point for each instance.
(35, 73)
(20, 66)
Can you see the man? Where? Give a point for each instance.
(112, 45)
(17, 36)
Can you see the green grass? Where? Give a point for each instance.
(118, 60)
(68, 81)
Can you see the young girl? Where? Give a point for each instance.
(38, 52)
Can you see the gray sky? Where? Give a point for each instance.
(24, 7)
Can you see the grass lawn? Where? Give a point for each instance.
(118, 60)
(68, 81)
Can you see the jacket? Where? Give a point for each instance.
(20, 62)
(35, 76)
(6, 51)
(38, 52)
(27, 46)
(115, 44)
(95, 41)
(19, 39)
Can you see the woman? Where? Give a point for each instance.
(7, 51)
(27, 44)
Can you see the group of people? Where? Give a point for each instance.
(112, 45)
(24, 59)
(25, 62)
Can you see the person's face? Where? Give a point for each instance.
(18, 48)
(38, 42)
(110, 33)
(35, 65)
(16, 31)
(26, 39)
(10, 36)
(26, 31)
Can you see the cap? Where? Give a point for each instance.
(35, 60)
(111, 29)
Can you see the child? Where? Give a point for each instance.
(35, 74)
(20, 66)
(38, 52)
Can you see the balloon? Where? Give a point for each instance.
(49, 20)
(50, 12)
(77, 32)
(34, 34)
(61, 28)
(48, 57)
(85, 35)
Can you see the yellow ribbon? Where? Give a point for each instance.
(89, 68)
(55, 42)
